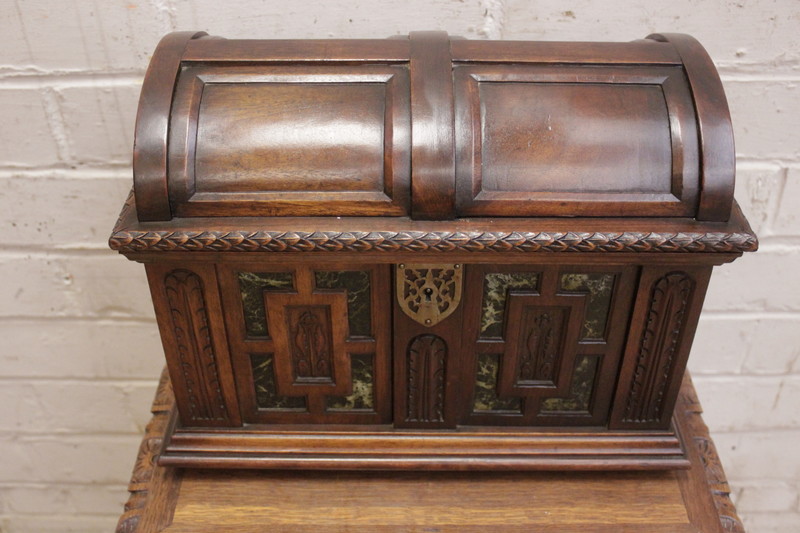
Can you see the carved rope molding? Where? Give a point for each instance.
(430, 241)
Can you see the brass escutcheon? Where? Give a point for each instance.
(428, 292)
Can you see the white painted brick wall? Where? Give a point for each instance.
(81, 353)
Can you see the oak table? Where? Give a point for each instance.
(198, 501)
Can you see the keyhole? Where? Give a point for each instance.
(428, 292)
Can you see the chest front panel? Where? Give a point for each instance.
(425, 346)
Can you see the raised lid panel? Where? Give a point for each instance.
(557, 137)
(591, 141)
(308, 137)
(278, 140)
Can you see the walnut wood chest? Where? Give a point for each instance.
(429, 252)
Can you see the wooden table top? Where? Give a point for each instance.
(199, 501)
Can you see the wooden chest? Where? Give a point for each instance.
(429, 252)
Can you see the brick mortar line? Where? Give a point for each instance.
(720, 378)
(97, 320)
(68, 171)
(89, 249)
(755, 163)
(45, 485)
(102, 79)
(116, 381)
(67, 438)
(23, 434)
(769, 68)
(736, 314)
(52, 102)
(753, 432)
(101, 321)
(57, 516)
(67, 318)
(10, 79)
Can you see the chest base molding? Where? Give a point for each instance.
(473, 450)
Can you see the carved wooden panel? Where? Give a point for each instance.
(666, 320)
(581, 391)
(362, 375)
(539, 349)
(190, 323)
(325, 358)
(540, 346)
(541, 343)
(309, 335)
(188, 309)
(357, 286)
(309, 329)
(496, 289)
(485, 396)
(599, 288)
(427, 355)
(252, 286)
(266, 390)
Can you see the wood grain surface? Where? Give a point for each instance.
(175, 500)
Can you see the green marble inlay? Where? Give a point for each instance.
(356, 283)
(361, 365)
(580, 393)
(252, 286)
(266, 392)
(495, 291)
(599, 288)
(486, 398)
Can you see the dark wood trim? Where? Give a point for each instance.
(553, 52)
(668, 304)
(152, 126)
(307, 51)
(476, 449)
(698, 486)
(472, 199)
(433, 168)
(362, 235)
(147, 479)
(434, 241)
(155, 490)
(718, 158)
(193, 334)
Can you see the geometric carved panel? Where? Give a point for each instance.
(539, 353)
(309, 343)
(496, 288)
(666, 319)
(485, 397)
(251, 287)
(192, 335)
(540, 346)
(359, 296)
(362, 371)
(579, 399)
(599, 287)
(266, 391)
(309, 333)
